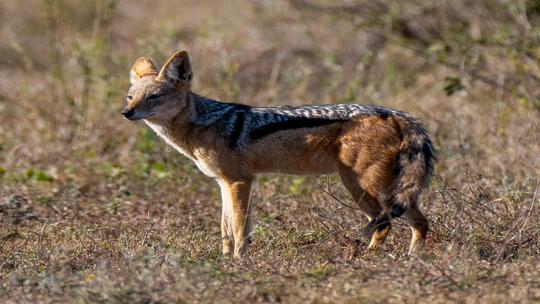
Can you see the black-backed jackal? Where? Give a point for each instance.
(384, 157)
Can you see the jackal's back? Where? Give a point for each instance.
(243, 124)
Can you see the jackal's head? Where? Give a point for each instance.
(158, 96)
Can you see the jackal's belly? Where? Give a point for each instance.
(302, 169)
(287, 161)
(298, 151)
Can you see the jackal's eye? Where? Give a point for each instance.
(129, 98)
(154, 96)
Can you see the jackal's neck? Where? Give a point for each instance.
(199, 113)
(174, 133)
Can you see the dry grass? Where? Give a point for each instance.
(96, 209)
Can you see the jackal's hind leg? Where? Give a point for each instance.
(377, 229)
(419, 227)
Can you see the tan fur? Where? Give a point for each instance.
(142, 67)
(362, 150)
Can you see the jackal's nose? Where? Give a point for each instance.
(128, 113)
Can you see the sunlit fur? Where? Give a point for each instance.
(383, 156)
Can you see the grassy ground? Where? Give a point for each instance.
(97, 209)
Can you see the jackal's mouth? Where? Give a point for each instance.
(134, 115)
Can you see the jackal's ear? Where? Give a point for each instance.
(177, 69)
(142, 67)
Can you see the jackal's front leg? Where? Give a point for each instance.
(227, 237)
(226, 234)
(236, 220)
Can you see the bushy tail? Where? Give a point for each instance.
(414, 165)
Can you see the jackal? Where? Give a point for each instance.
(384, 157)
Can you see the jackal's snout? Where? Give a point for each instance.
(128, 113)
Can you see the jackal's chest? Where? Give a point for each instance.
(206, 168)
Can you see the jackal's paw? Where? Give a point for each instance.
(376, 245)
(374, 251)
(239, 255)
(373, 246)
(228, 247)
(417, 247)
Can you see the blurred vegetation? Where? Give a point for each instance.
(96, 209)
